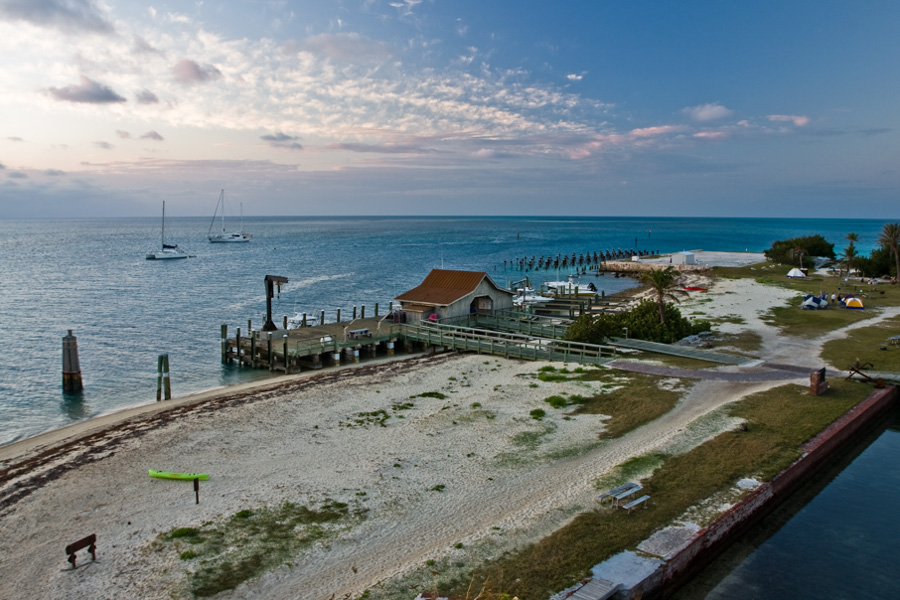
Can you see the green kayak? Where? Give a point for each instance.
(188, 476)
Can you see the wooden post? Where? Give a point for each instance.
(163, 384)
(322, 318)
(249, 326)
(338, 315)
(269, 350)
(71, 375)
(376, 309)
(362, 314)
(284, 323)
(237, 347)
(303, 321)
(354, 312)
(253, 351)
(286, 361)
(225, 359)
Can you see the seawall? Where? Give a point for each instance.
(708, 542)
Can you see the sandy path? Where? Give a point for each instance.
(300, 442)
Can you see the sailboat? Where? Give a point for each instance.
(225, 236)
(168, 251)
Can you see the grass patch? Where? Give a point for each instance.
(437, 395)
(639, 401)
(780, 420)
(865, 343)
(557, 401)
(745, 341)
(227, 552)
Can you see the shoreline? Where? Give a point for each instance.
(302, 438)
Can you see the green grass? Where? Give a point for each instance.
(225, 553)
(779, 421)
(639, 401)
(865, 343)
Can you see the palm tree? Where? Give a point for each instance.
(852, 238)
(799, 250)
(849, 255)
(662, 282)
(890, 239)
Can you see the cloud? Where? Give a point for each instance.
(2, 166)
(152, 135)
(17, 175)
(574, 77)
(712, 135)
(14, 138)
(348, 47)
(53, 172)
(142, 46)
(146, 97)
(123, 134)
(88, 91)
(104, 145)
(707, 112)
(187, 71)
(388, 148)
(282, 140)
(797, 120)
(658, 130)
(69, 16)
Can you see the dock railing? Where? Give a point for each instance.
(510, 345)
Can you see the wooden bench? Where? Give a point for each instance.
(90, 542)
(358, 333)
(634, 503)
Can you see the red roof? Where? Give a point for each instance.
(442, 287)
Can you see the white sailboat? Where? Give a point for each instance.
(169, 251)
(225, 236)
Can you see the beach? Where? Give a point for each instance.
(437, 453)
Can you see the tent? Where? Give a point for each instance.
(811, 302)
(855, 303)
(796, 273)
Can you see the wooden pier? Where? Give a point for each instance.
(512, 334)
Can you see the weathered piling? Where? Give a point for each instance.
(163, 384)
(71, 369)
(225, 358)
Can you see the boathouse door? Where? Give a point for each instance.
(482, 305)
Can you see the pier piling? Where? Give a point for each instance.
(71, 375)
(163, 383)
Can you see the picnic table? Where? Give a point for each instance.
(620, 493)
(893, 340)
(358, 333)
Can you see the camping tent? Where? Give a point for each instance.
(796, 273)
(811, 302)
(855, 303)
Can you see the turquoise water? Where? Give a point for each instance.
(91, 276)
(835, 540)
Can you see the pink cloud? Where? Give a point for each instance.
(711, 135)
(660, 130)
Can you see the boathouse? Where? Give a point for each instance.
(444, 293)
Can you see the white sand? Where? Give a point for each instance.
(267, 444)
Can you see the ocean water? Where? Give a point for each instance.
(91, 276)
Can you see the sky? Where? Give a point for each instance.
(450, 107)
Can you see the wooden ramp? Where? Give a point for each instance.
(510, 345)
(684, 351)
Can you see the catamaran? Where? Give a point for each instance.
(225, 236)
(168, 251)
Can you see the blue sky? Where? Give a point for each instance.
(370, 107)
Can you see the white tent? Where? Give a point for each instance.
(795, 273)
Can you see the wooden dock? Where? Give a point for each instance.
(511, 334)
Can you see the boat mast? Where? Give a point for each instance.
(222, 200)
(164, 225)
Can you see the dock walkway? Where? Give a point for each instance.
(683, 351)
